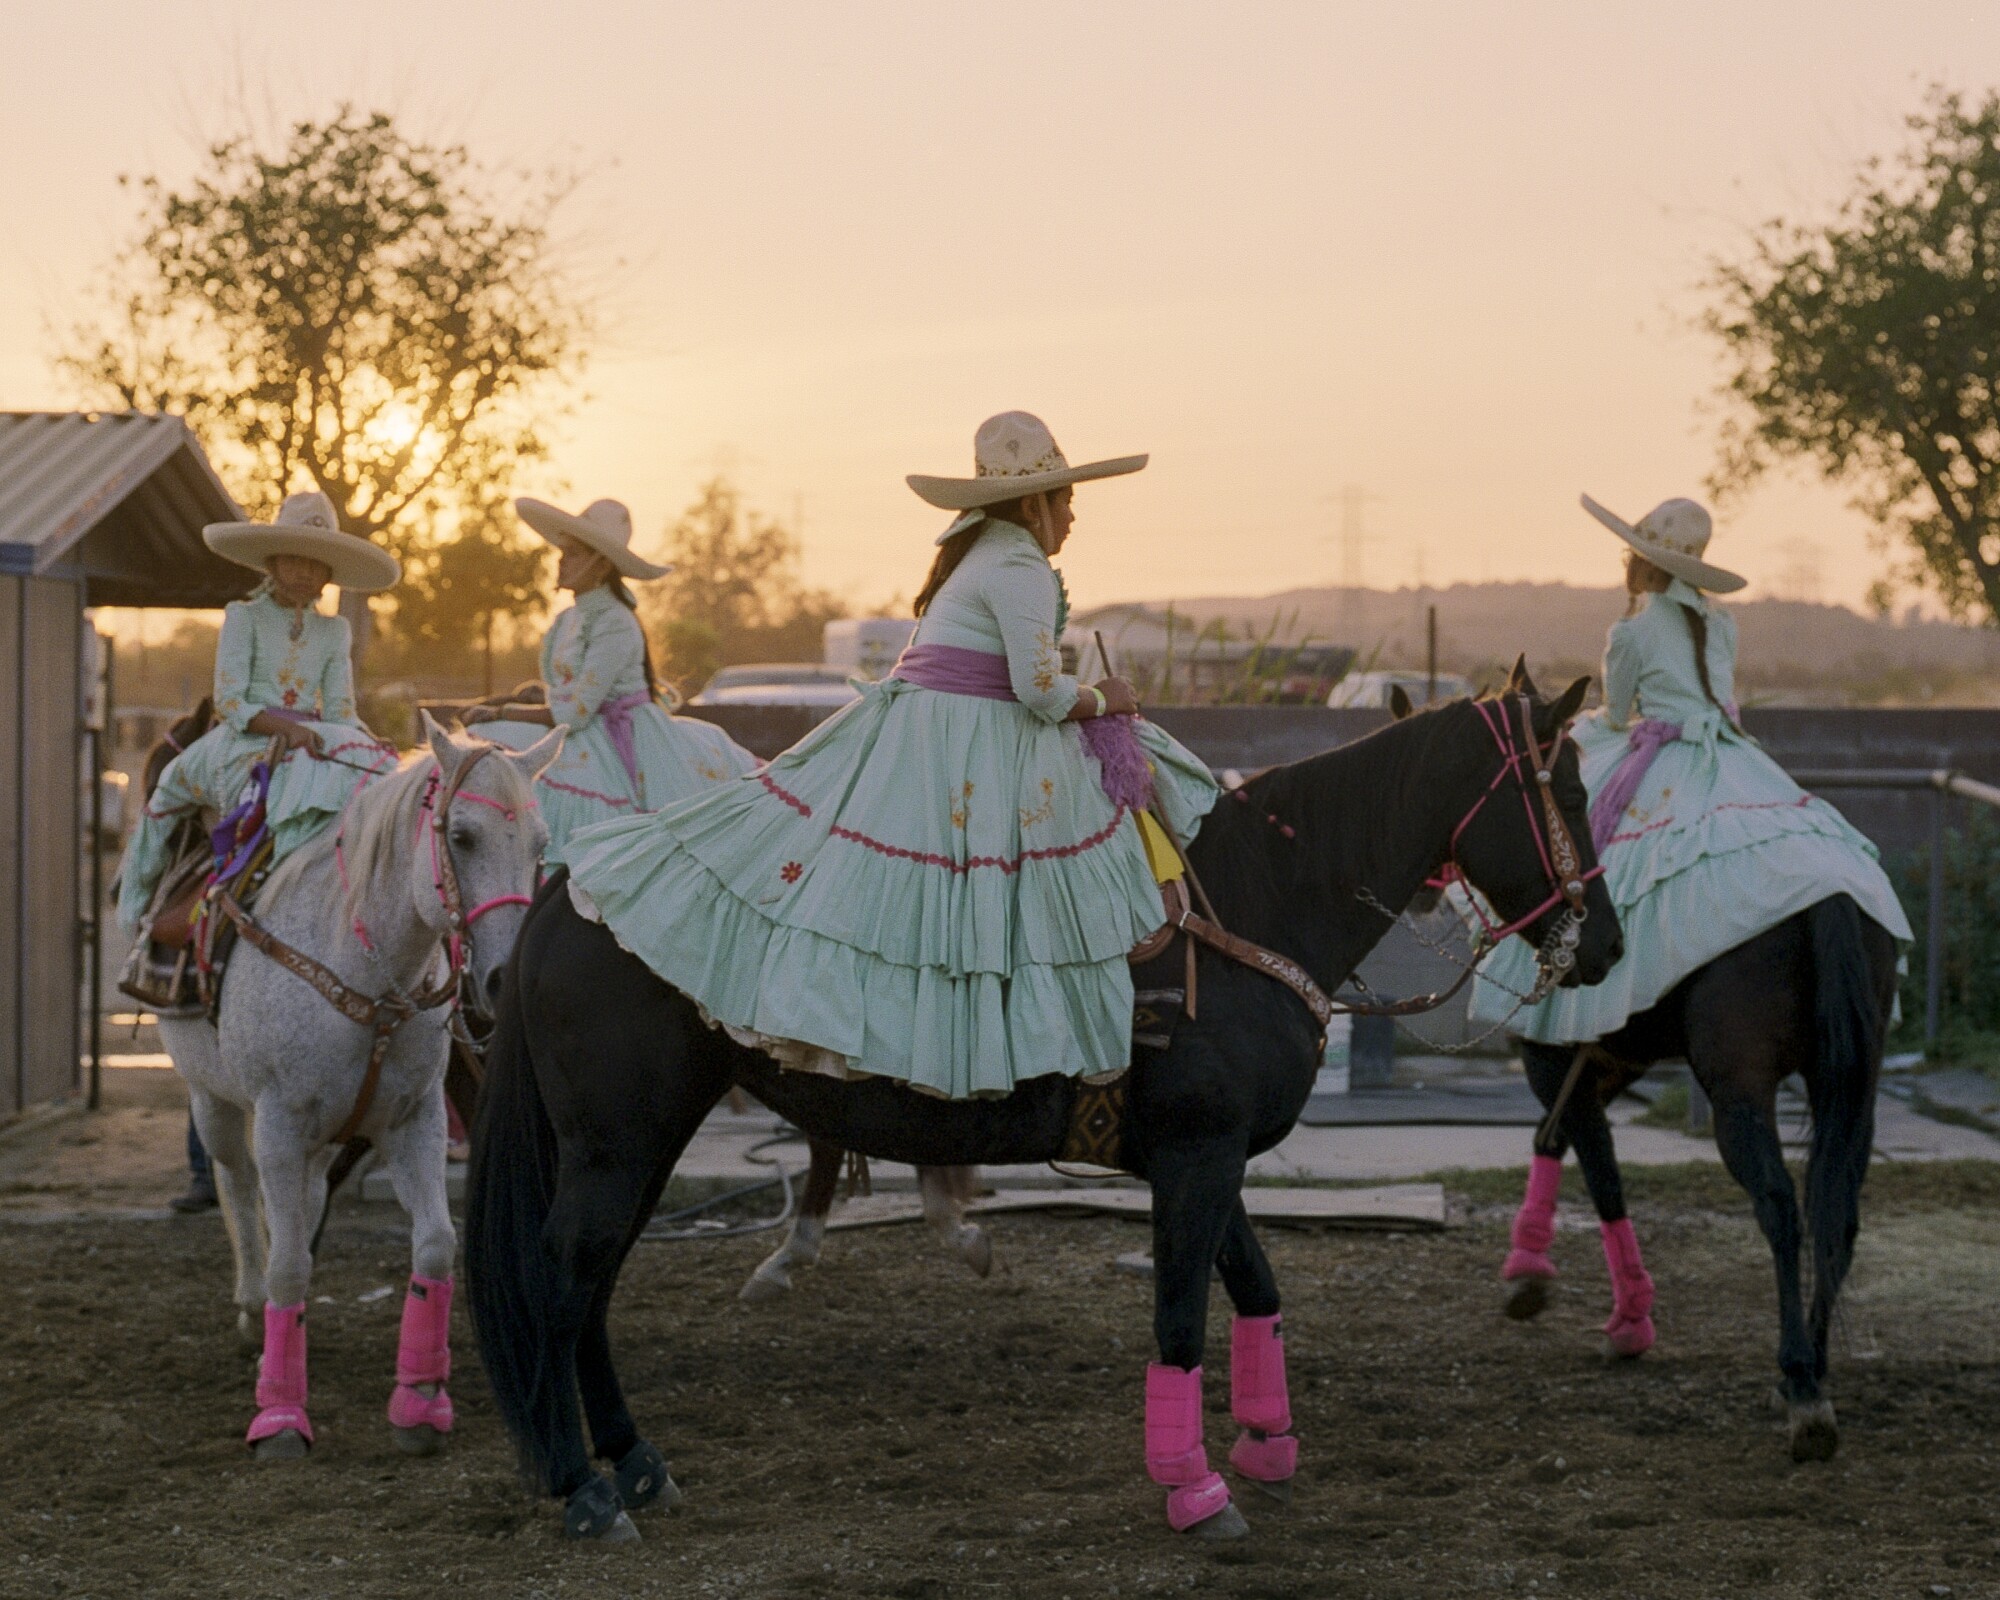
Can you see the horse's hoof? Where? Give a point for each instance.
(975, 1249)
(1279, 1489)
(1815, 1435)
(289, 1445)
(594, 1513)
(1527, 1299)
(422, 1440)
(764, 1287)
(1627, 1338)
(1227, 1523)
(643, 1480)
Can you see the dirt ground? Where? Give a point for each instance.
(899, 1428)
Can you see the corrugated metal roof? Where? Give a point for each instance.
(117, 498)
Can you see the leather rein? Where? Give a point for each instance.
(1554, 843)
(387, 1013)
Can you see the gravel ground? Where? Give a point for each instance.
(898, 1428)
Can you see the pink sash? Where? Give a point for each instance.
(617, 715)
(1644, 742)
(1123, 771)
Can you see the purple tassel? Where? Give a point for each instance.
(1121, 760)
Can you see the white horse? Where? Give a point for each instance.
(425, 878)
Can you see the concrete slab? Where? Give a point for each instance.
(1402, 1206)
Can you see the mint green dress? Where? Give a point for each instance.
(1717, 845)
(267, 657)
(931, 887)
(594, 654)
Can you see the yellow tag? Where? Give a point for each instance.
(1160, 853)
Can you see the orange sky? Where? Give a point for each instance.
(1440, 251)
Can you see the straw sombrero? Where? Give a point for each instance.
(1673, 536)
(604, 525)
(305, 526)
(1013, 454)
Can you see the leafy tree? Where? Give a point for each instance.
(735, 593)
(463, 586)
(351, 312)
(1870, 345)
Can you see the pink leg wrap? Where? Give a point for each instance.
(281, 1375)
(1174, 1453)
(1535, 1222)
(1631, 1326)
(423, 1356)
(1257, 1399)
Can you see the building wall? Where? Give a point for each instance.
(41, 622)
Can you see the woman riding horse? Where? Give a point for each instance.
(624, 753)
(1707, 846)
(283, 671)
(940, 884)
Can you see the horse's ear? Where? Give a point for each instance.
(1399, 702)
(1571, 701)
(1518, 681)
(532, 762)
(448, 754)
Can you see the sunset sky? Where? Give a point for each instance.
(1445, 252)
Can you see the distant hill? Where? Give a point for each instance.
(1790, 650)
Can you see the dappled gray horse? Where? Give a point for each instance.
(333, 1025)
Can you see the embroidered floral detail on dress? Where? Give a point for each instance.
(1046, 809)
(1047, 662)
(962, 807)
(1062, 602)
(792, 871)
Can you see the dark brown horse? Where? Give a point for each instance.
(1811, 996)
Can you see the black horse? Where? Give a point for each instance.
(600, 1074)
(1812, 996)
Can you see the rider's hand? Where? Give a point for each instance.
(300, 737)
(1120, 698)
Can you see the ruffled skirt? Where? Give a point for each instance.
(930, 887)
(1717, 846)
(677, 758)
(211, 775)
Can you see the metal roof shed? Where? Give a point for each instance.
(95, 509)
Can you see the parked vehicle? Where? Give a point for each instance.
(1372, 688)
(866, 647)
(782, 683)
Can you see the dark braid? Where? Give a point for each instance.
(1698, 628)
(625, 598)
(954, 549)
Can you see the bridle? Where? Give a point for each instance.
(1521, 753)
(386, 1013)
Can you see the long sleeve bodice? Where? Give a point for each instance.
(1649, 664)
(1005, 598)
(594, 652)
(258, 664)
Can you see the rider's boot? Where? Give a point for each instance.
(1175, 1456)
(1265, 1450)
(423, 1362)
(281, 1377)
(1630, 1329)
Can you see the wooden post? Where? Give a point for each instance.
(1431, 655)
(1934, 928)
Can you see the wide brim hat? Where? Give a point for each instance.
(1674, 537)
(306, 526)
(604, 525)
(1014, 454)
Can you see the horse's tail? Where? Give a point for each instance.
(1847, 1022)
(510, 1186)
